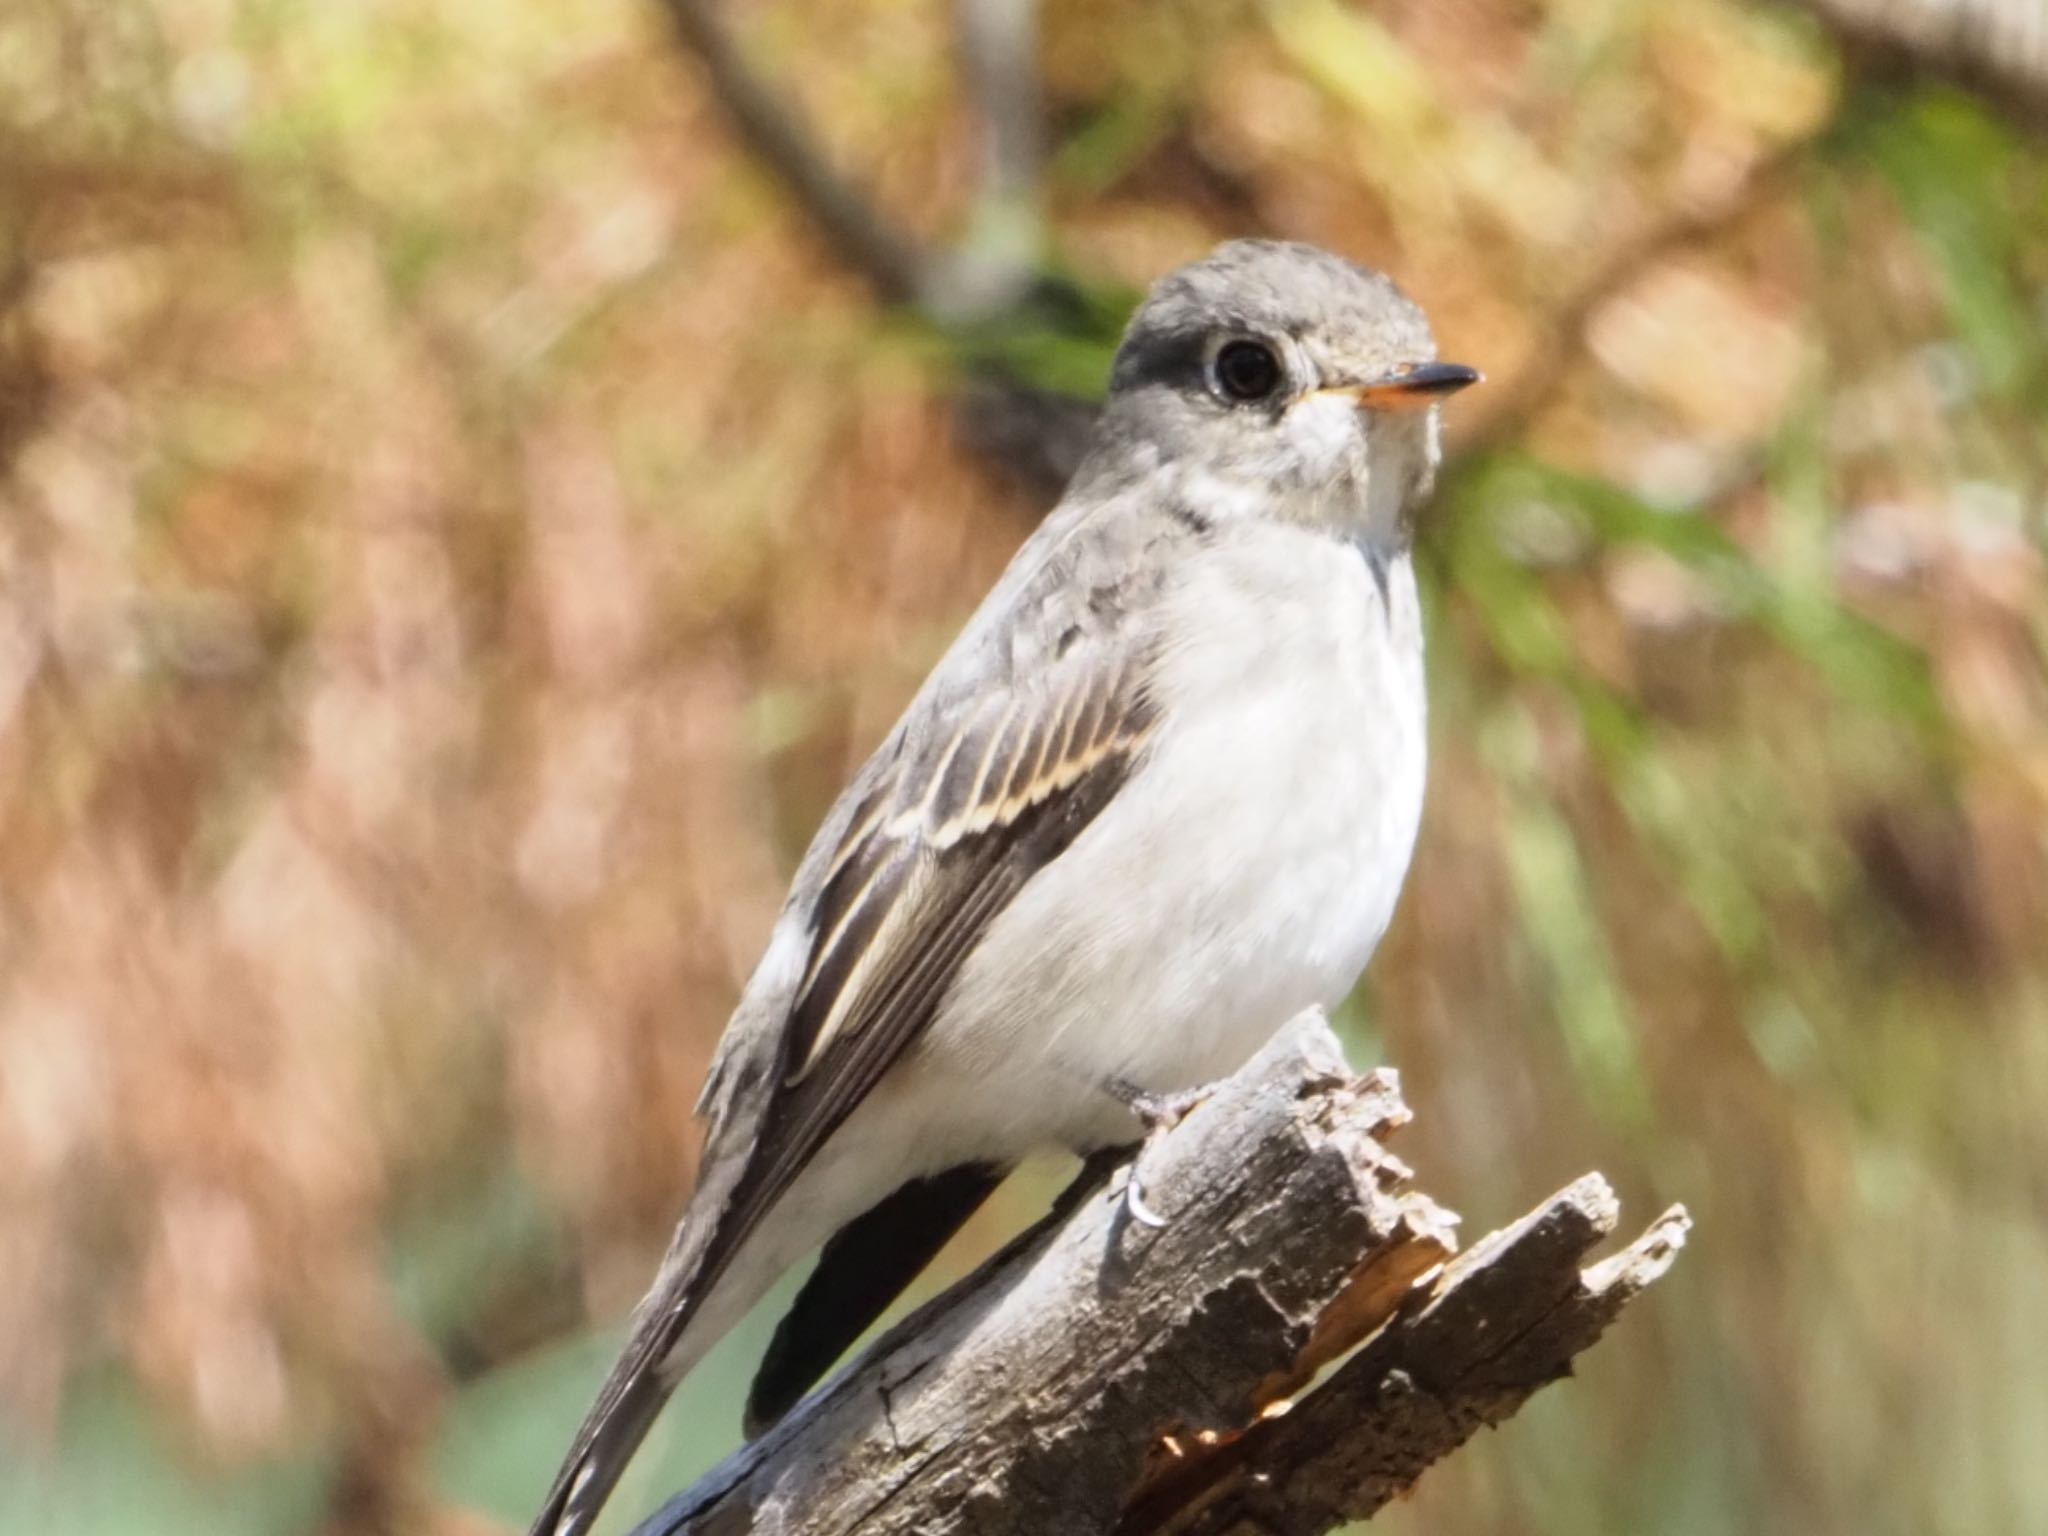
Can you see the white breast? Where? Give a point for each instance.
(1250, 867)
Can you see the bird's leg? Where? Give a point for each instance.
(1158, 1113)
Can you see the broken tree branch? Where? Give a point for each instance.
(1101, 1376)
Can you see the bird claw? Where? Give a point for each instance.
(1134, 1202)
(1158, 1113)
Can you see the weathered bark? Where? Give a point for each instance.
(1099, 1375)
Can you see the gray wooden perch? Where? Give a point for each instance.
(1102, 1376)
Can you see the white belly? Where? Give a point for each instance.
(1246, 872)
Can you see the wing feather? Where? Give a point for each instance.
(956, 821)
(957, 831)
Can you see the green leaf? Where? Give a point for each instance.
(1954, 168)
(1564, 927)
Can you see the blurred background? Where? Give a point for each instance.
(476, 475)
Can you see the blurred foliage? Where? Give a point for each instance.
(458, 530)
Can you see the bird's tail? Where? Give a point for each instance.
(696, 1297)
(610, 1433)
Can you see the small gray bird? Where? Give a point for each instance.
(1157, 798)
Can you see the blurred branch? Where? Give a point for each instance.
(999, 43)
(774, 130)
(994, 277)
(999, 258)
(995, 268)
(1997, 48)
(1101, 1376)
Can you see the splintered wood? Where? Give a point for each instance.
(1289, 1351)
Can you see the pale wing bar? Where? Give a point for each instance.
(1010, 756)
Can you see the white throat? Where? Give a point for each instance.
(1324, 473)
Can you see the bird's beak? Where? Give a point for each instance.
(1414, 387)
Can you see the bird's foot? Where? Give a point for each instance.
(1158, 1113)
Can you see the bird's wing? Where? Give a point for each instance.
(938, 847)
(977, 800)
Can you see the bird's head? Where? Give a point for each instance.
(1276, 380)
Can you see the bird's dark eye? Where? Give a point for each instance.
(1247, 371)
